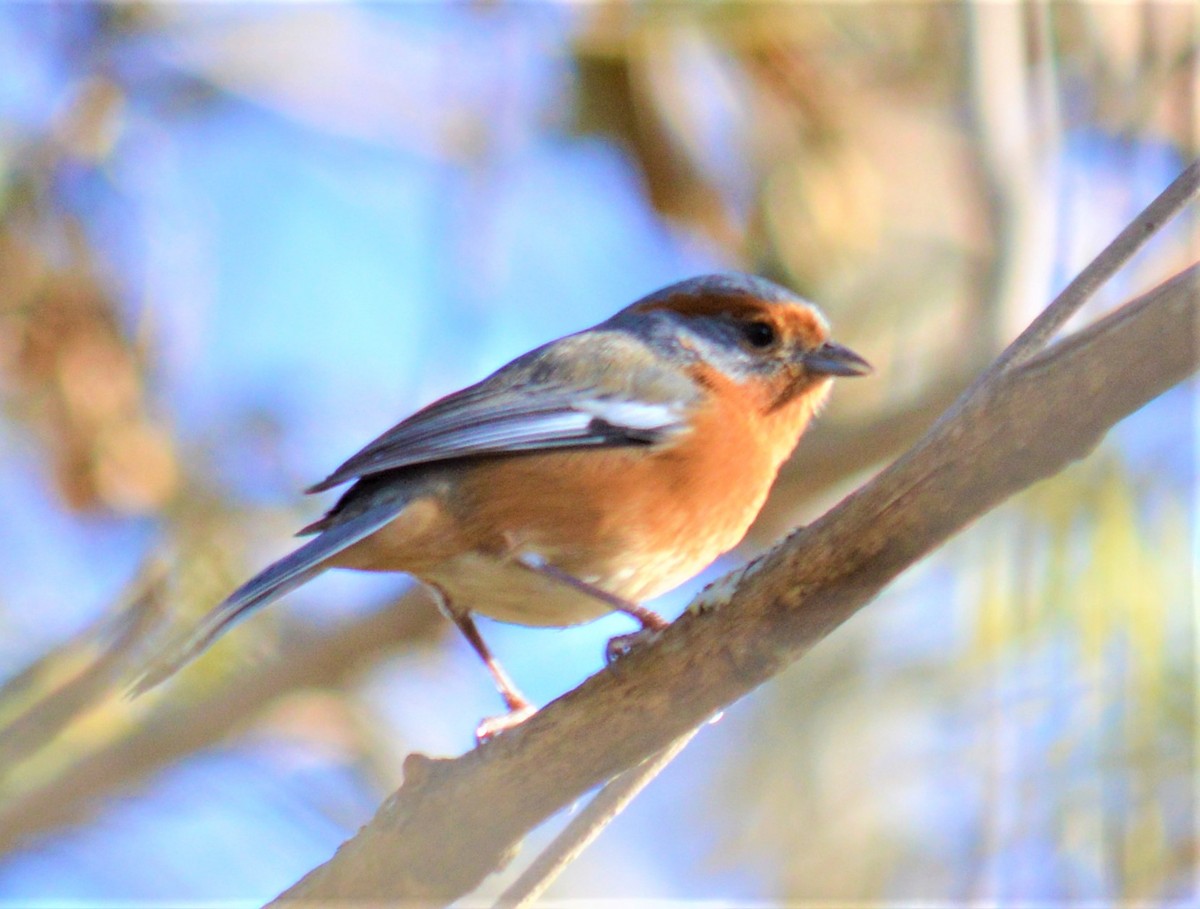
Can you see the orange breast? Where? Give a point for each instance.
(635, 521)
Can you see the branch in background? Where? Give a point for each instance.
(115, 641)
(455, 821)
(327, 659)
(1015, 137)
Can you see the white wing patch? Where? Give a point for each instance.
(632, 414)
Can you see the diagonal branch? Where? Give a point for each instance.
(116, 639)
(454, 821)
(1137, 233)
(175, 731)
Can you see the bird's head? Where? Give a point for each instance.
(750, 331)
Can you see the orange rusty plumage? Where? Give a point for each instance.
(586, 476)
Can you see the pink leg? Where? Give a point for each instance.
(519, 707)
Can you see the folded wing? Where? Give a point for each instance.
(531, 405)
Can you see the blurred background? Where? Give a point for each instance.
(237, 242)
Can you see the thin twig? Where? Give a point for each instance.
(1169, 203)
(583, 829)
(179, 727)
(117, 640)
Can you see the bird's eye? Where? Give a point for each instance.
(760, 334)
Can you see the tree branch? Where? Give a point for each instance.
(454, 821)
(176, 730)
(114, 639)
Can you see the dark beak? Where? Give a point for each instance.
(834, 360)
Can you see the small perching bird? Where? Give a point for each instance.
(586, 476)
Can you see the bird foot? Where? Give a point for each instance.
(624, 644)
(494, 725)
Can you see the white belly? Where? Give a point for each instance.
(508, 591)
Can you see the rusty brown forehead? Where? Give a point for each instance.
(795, 321)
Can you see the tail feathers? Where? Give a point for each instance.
(269, 585)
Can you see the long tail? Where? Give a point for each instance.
(269, 585)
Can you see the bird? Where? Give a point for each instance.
(586, 476)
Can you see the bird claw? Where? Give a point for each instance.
(494, 725)
(624, 644)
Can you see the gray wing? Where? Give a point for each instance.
(596, 390)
